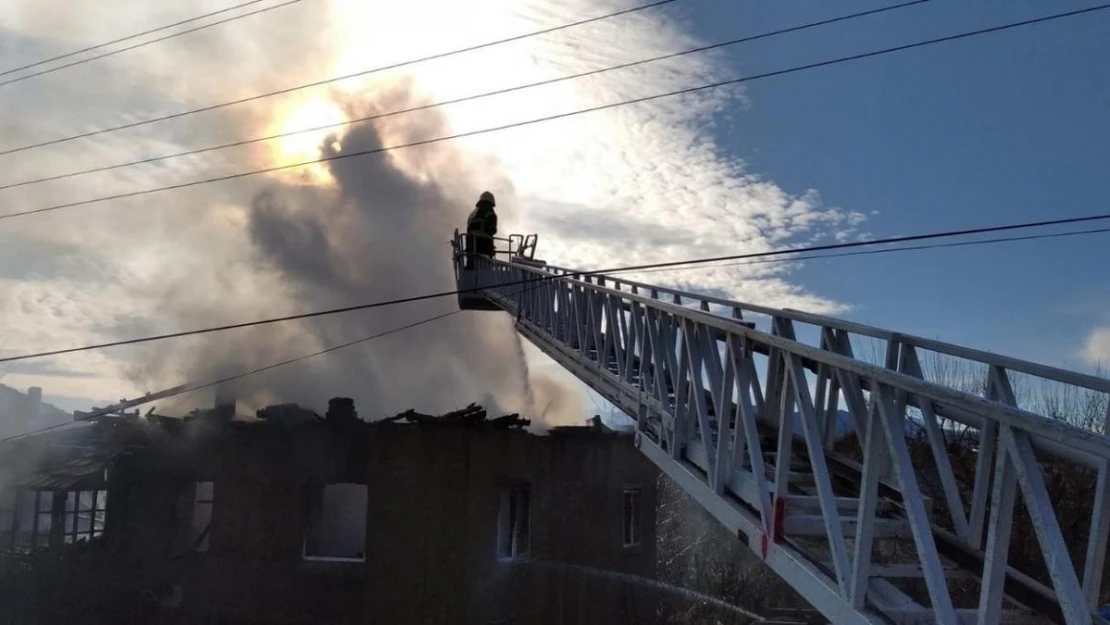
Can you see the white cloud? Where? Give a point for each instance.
(1096, 349)
(623, 186)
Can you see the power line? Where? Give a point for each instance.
(487, 94)
(128, 37)
(910, 248)
(40, 430)
(318, 83)
(141, 44)
(186, 388)
(183, 389)
(689, 90)
(574, 274)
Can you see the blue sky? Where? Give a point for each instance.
(1004, 127)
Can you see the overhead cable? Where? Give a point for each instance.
(571, 275)
(213, 107)
(442, 103)
(140, 44)
(908, 248)
(189, 388)
(127, 38)
(689, 90)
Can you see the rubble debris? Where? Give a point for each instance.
(471, 416)
(508, 421)
(341, 411)
(225, 402)
(287, 414)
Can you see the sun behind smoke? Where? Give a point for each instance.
(317, 119)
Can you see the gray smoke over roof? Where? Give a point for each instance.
(378, 233)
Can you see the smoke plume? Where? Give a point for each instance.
(380, 232)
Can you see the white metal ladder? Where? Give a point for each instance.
(739, 404)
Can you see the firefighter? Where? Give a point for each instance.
(480, 228)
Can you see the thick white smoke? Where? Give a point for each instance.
(377, 233)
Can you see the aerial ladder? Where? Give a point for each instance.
(744, 406)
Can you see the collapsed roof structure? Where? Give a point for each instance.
(288, 516)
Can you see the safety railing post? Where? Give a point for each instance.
(830, 513)
(748, 415)
(916, 515)
(730, 439)
(1097, 539)
(680, 380)
(1058, 561)
(695, 356)
(997, 388)
(874, 465)
(909, 364)
(998, 539)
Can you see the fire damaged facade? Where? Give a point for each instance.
(295, 518)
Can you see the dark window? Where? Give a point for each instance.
(631, 517)
(44, 504)
(514, 522)
(7, 519)
(25, 519)
(25, 515)
(84, 514)
(336, 522)
(204, 497)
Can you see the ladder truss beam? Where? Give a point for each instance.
(746, 420)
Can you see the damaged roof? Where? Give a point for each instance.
(471, 416)
(82, 464)
(57, 460)
(62, 459)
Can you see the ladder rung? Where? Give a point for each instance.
(795, 477)
(895, 571)
(814, 525)
(812, 502)
(966, 615)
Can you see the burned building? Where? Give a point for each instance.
(294, 518)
